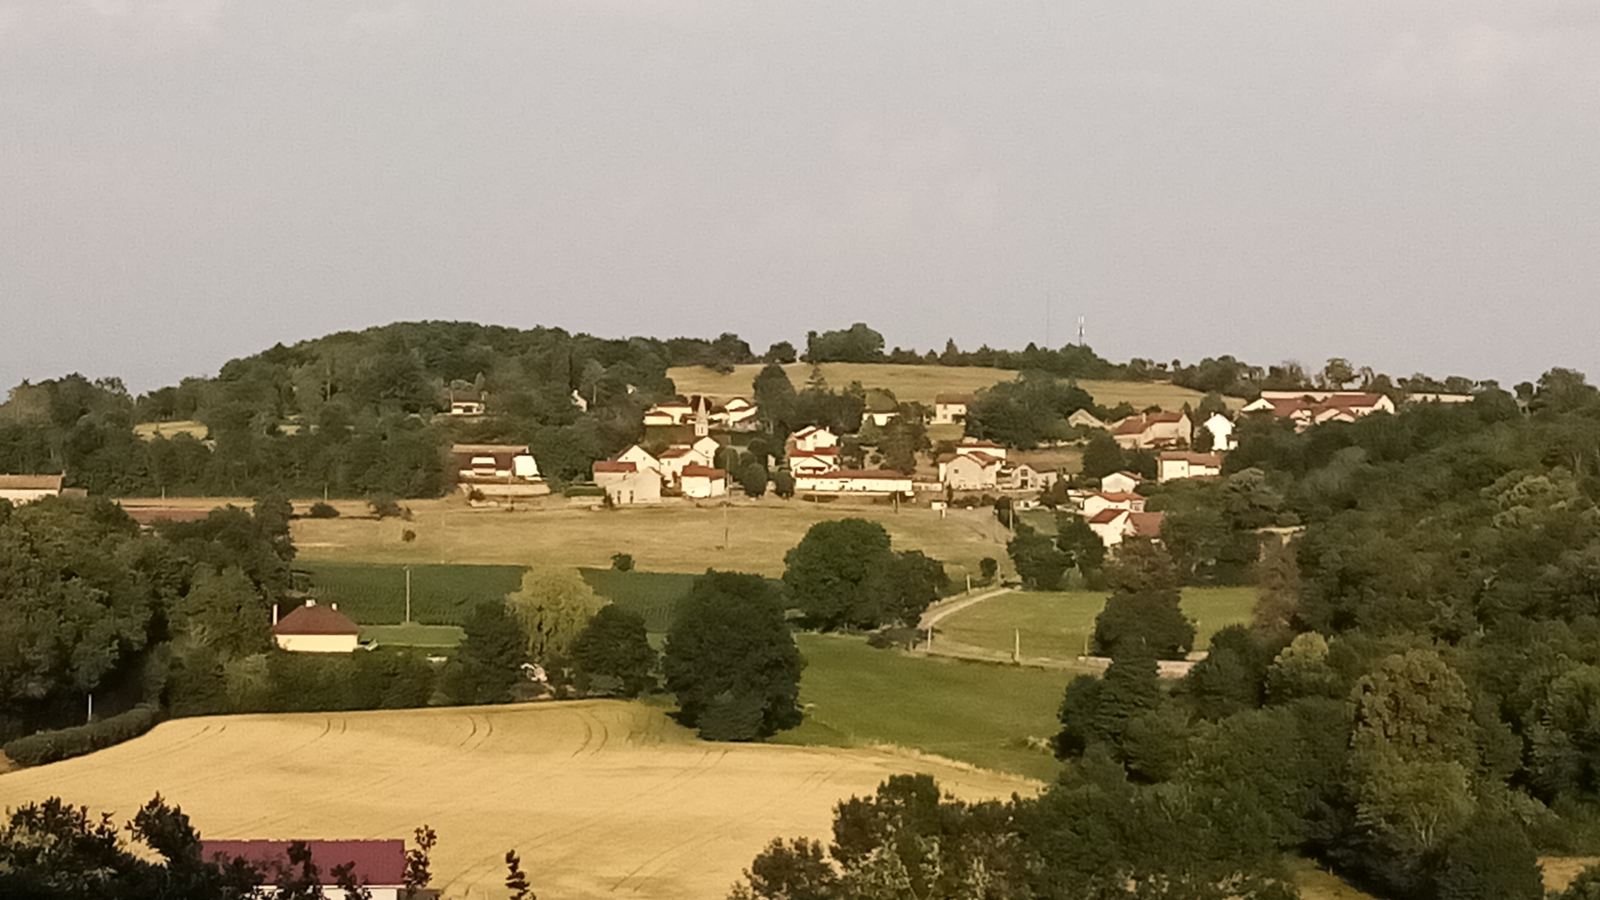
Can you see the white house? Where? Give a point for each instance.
(703, 482)
(628, 483)
(1221, 428)
(466, 407)
(855, 481)
(316, 629)
(1114, 526)
(380, 865)
(1023, 477)
(1158, 429)
(1119, 483)
(813, 462)
(973, 471)
(678, 457)
(640, 457)
(1173, 464)
(1102, 500)
(812, 438)
(28, 488)
(950, 409)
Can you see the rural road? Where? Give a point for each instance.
(932, 615)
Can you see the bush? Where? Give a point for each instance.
(622, 562)
(384, 507)
(321, 510)
(51, 746)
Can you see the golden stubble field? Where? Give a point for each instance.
(923, 383)
(600, 798)
(675, 537)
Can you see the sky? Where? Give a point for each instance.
(1410, 184)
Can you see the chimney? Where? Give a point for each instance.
(310, 602)
(274, 613)
(335, 607)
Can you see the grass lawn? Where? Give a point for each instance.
(975, 712)
(653, 595)
(375, 593)
(1058, 625)
(414, 635)
(923, 383)
(749, 536)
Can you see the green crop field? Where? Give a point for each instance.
(427, 637)
(1058, 625)
(978, 713)
(375, 593)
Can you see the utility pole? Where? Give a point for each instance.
(1016, 645)
(724, 524)
(89, 717)
(408, 595)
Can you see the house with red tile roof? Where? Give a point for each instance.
(316, 629)
(702, 482)
(974, 445)
(811, 439)
(1157, 429)
(1120, 483)
(974, 470)
(950, 409)
(627, 483)
(1102, 500)
(813, 462)
(1114, 526)
(380, 865)
(1307, 408)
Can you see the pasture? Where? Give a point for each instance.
(1059, 624)
(601, 798)
(745, 535)
(992, 716)
(923, 383)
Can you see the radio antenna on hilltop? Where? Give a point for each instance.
(1080, 331)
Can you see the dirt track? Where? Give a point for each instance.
(601, 799)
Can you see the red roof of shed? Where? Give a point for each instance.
(316, 620)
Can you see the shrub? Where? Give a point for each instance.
(51, 746)
(321, 510)
(384, 507)
(622, 562)
(408, 536)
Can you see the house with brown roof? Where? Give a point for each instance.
(1157, 429)
(971, 471)
(316, 629)
(700, 482)
(1173, 464)
(627, 483)
(380, 865)
(1307, 408)
(28, 488)
(974, 445)
(813, 462)
(810, 439)
(1120, 482)
(1114, 526)
(950, 409)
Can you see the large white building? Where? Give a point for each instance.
(877, 482)
(28, 488)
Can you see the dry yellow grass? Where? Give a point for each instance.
(149, 430)
(923, 383)
(601, 798)
(676, 537)
(1560, 870)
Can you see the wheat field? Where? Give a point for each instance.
(600, 798)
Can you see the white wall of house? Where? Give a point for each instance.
(1221, 429)
(316, 643)
(833, 483)
(1118, 483)
(703, 487)
(20, 496)
(965, 473)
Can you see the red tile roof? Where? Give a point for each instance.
(1107, 516)
(1194, 459)
(1146, 524)
(315, 620)
(986, 445)
(825, 451)
(377, 863)
(949, 399)
(610, 466)
(1117, 496)
(676, 452)
(695, 470)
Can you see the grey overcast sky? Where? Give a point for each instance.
(1413, 185)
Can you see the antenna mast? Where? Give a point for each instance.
(1080, 331)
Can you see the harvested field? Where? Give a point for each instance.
(923, 383)
(676, 537)
(601, 798)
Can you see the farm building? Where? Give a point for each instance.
(316, 629)
(811, 439)
(379, 865)
(813, 462)
(873, 482)
(1173, 464)
(28, 488)
(951, 409)
(627, 483)
(703, 482)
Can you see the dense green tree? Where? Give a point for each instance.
(753, 478)
(834, 573)
(1143, 613)
(857, 344)
(489, 662)
(731, 660)
(613, 654)
(1038, 561)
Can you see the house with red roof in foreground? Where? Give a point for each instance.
(1308, 408)
(316, 629)
(379, 865)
